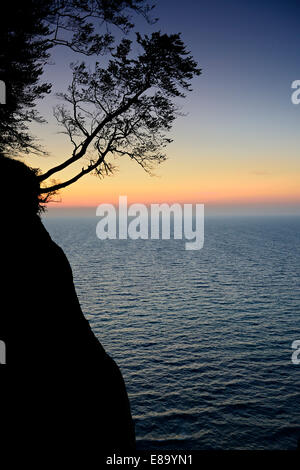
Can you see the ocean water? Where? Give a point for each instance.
(203, 338)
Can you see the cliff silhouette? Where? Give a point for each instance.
(60, 384)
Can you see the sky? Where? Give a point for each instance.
(237, 146)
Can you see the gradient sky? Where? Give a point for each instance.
(238, 146)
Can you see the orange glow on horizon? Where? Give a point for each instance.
(208, 199)
(222, 179)
(241, 188)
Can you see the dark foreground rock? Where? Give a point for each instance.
(58, 385)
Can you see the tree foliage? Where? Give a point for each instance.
(76, 23)
(126, 108)
(123, 109)
(29, 29)
(23, 53)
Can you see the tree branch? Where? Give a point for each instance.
(84, 171)
(90, 138)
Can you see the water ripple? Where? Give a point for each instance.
(203, 339)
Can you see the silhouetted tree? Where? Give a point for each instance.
(126, 108)
(75, 23)
(28, 31)
(22, 56)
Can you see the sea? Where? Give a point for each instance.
(203, 337)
